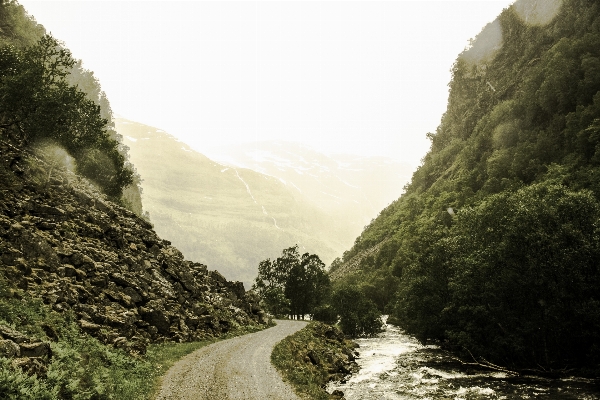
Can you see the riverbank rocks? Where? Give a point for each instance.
(63, 242)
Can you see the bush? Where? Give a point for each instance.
(359, 316)
(325, 313)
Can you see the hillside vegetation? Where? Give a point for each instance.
(91, 299)
(47, 99)
(494, 248)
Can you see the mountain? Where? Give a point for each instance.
(228, 217)
(493, 249)
(349, 187)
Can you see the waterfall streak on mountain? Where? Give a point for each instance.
(247, 187)
(274, 220)
(264, 210)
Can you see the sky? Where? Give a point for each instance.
(366, 78)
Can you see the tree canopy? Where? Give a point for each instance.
(37, 103)
(292, 284)
(358, 315)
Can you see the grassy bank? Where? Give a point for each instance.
(79, 366)
(312, 357)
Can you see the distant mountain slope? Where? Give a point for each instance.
(351, 187)
(228, 218)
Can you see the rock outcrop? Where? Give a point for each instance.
(28, 354)
(63, 242)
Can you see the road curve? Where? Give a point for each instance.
(234, 369)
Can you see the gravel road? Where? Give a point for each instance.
(237, 368)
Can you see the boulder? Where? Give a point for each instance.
(157, 318)
(217, 278)
(89, 327)
(38, 349)
(11, 334)
(237, 288)
(9, 349)
(44, 210)
(133, 294)
(31, 366)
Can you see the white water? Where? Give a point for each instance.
(395, 366)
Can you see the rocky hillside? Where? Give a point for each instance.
(63, 242)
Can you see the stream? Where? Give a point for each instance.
(394, 365)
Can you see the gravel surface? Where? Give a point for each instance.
(237, 368)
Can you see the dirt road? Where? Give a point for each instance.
(234, 369)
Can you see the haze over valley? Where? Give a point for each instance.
(258, 199)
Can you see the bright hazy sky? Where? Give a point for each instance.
(355, 77)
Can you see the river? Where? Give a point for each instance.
(395, 366)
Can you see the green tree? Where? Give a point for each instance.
(307, 284)
(294, 283)
(524, 286)
(37, 104)
(270, 285)
(16, 26)
(359, 316)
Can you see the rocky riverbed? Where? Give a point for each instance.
(395, 366)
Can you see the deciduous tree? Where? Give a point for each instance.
(292, 283)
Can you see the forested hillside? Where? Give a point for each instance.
(46, 93)
(494, 248)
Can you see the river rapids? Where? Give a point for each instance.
(394, 366)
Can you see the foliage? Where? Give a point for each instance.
(16, 385)
(38, 104)
(494, 241)
(19, 30)
(16, 27)
(525, 280)
(292, 284)
(358, 315)
(325, 313)
(308, 376)
(81, 367)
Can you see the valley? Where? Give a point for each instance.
(233, 213)
(122, 248)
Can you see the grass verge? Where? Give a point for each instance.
(81, 367)
(313, 356)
